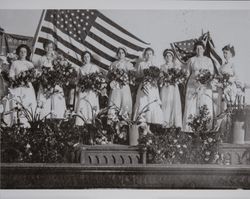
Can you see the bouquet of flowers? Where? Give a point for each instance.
(132, 77)
(199, 123)
(24, 78)
(173, 76)
(11, 57)
(204, 76)
(93, 81)
(151, 76)
(117, 77)
(65, 69)
(224, 80)
(61, 74)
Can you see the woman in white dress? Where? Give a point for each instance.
(53, 105)
(230, 91)
(22, 94)
(121, 97)
(149, 98)
(170, 95)
(87, 102)
(198, 94)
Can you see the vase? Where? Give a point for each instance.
(238, 128)
(133, 135)
(238, 132)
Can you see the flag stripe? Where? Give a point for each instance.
(74, 48)
(118, 32)
(70, 58)
(117, 38)
(61, 38)
(75, 54)
(59, 45)
(108, 45)
(112, 23)
(217, 57)
(112, 41)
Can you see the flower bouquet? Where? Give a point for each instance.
(24, 78)
(62, 74)
(224, 80)
(151, 76)
(11, 57)
(93, 81)
(204, 76)
(117, 78)
(173, 76)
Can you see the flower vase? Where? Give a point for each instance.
(133, 135)
(238, 130)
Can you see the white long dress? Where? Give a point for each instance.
(24, 95)
(154, 115)
(121, 97)
(197, 94)
(171, 102)
(87, 102)
(230, 91)
(54, 106)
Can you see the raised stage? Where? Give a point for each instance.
(126, 167)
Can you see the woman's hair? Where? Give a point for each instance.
(148, 49)
(166, 51)
(84, 53)
(229, 48)
(46, 43)
(27, 49)
(199, 43)
(121, 48)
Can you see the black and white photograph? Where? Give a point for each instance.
(127, 98)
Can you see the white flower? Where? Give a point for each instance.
(210, 139)
(184, 146)
(178, 146)
(208, 153)
(28, 146)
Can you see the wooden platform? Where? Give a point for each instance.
(121, 166)
(77, 176)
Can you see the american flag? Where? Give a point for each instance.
(184, 50)
(74, 31)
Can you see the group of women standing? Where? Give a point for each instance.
(164, 103)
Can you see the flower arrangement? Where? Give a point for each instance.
(93, 81)
(173, 76)
(199, 123)
(151, 76)
(62, 74)
(204, 76)
(205, 143)
(50, 142)
(12, 57)
(157, 138)
(224, 80)
(118, 78)
(24, 78)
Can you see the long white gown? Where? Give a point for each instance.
(197, 94)
(87, 102)
(24, 95)
(154, 115)
(230, 91)
(121, 97)
(54, 106)
(171, 101)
